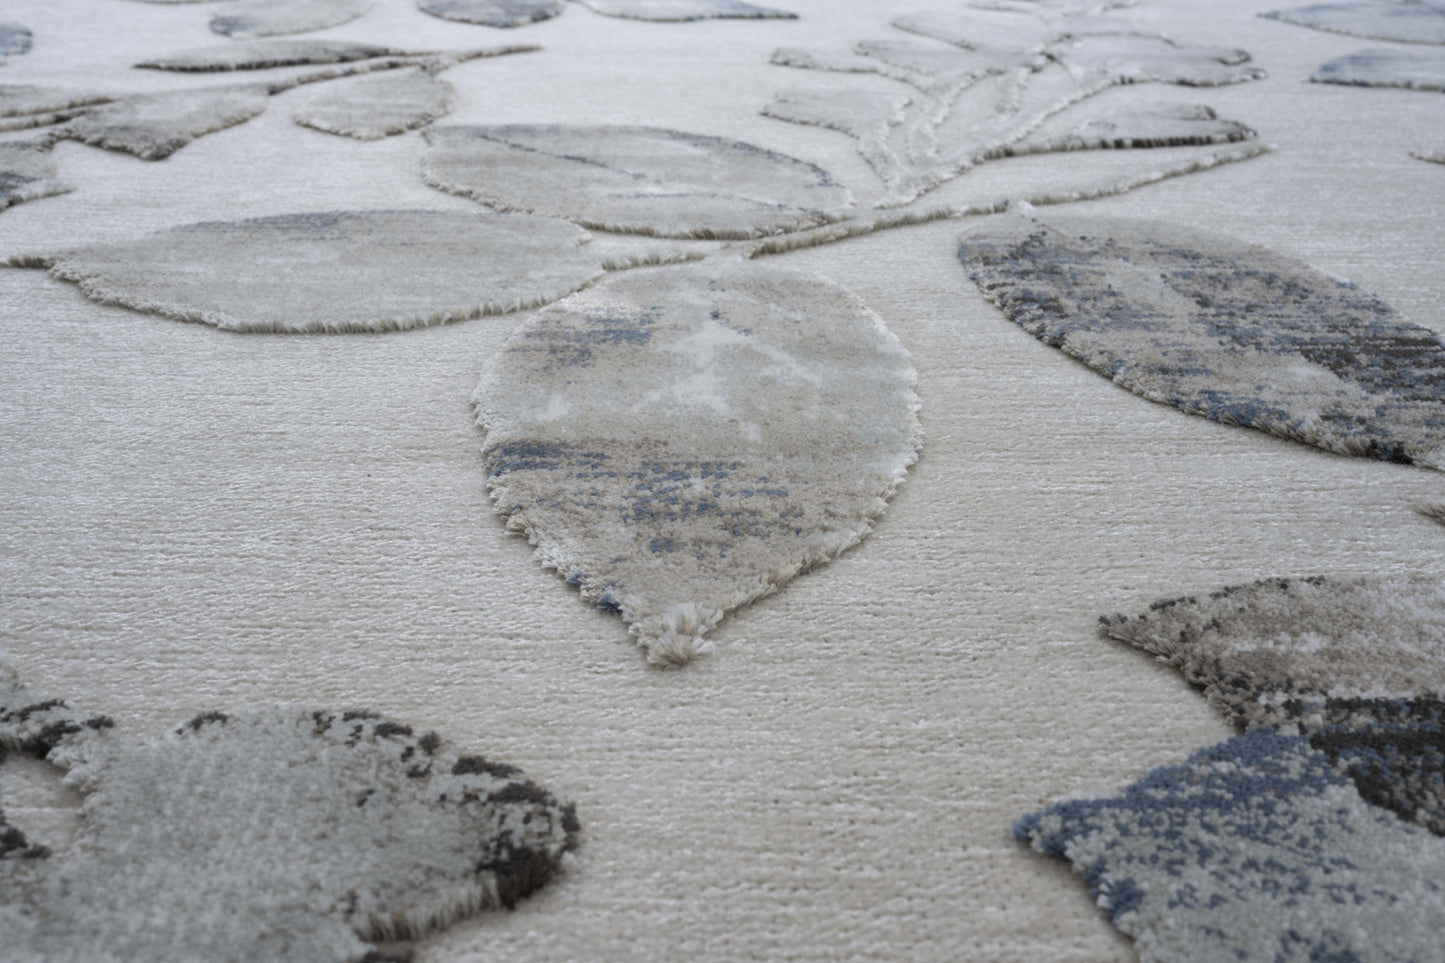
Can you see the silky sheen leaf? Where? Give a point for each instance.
(681, 10)
(493, 13)
(1222, 329)
(335, 271)
(679, 442)
(1413, 21)
(642, 180)
(22, 100)
(263, 54)
(271, 18)
(377, 107)
(1255, 849)
(154, 126)
(278, 834)
(1411, 69)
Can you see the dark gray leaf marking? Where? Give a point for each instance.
(421, 268)
(677, 443)
(1411, 21)
(1411, 69)
(1253, 849)
(684, 10)
(642, 180)
(316, 833)
(377, 107)
(270, 18)
(493, 13)
(1357, 664)
(1226, 330)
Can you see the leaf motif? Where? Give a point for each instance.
(154, 126)
(264, 54)
(377, 107)
(641, 180)
(24, 100)
(1411, 69)
(1222, 329)
(684, 10)
(336, 271)
(1408, 22)
(493, 13)
(1253, 849)
(27, 173)
(270, 18)
(679, 443)
(1356, 664)
(273, 834)
(14, 39)
(1164, 124)
(1141, 58)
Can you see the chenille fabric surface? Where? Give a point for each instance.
(200, 520)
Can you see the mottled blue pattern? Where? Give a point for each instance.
(1255, 849)
(1392, 749)
(1224, 330)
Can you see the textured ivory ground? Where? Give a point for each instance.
(195, 518)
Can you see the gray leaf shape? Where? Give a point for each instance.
(27, 173)
(685, 10)
(271, 18)
(641, 180)
(1356, 665)
(493, 13)
(377, 107)
(154, 126)
(1408, 22)
(43, 105)
(335, 271)
(1142, 126)
(1222, 329)
(1253, 649)
(1410, 69)
(274, 834)
(1141, 58)
(264, 54)
(678, 443)
(14, 39)
(1255, 849)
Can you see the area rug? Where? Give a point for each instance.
(398, 393)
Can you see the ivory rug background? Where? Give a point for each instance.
(197, 520)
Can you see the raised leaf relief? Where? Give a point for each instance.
(154, 126)
(27, 173)
(642, 180)
(683, 10)
(336, 271)
(677, 443)
(14, 39)
(493, 13)
(1411, 69)
(271, 18)
(1408, 21)
(279, 834)
(1222, 329)
(1002, 74)
(375, 107)
(264, 54)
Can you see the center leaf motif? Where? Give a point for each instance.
(678, 443)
